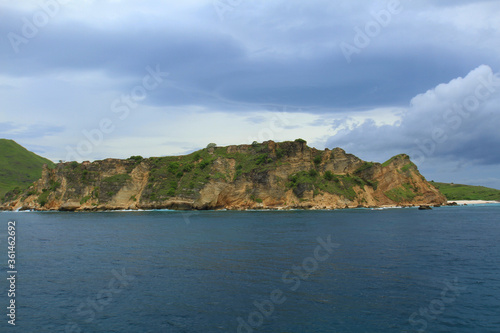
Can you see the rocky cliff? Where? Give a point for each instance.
(259, 176)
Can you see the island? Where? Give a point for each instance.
(268, 175)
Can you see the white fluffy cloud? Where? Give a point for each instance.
(72, 62)
(456, 121)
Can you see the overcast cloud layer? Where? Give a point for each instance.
(85, 80)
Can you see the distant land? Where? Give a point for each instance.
(18, 166)
(268, 175)
(467, 192)
(265, 175)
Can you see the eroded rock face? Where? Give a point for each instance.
(261, 176)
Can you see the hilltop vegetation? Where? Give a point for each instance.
(18, 166)
(467, 192)
(266, 175)
(287, 174)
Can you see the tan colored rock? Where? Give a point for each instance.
(98, 186)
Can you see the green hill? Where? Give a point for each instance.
(467, 192)
(268, 175)
(18, 166)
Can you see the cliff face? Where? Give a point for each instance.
(260, 176)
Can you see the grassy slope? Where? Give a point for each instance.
(18, 166)
(467, 192)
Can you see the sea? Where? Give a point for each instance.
(355, 270)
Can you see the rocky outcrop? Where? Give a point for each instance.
(270, 175)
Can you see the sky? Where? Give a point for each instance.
(87, 80)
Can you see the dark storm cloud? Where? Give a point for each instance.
(290, 56)
(457, 121)
(267, 56)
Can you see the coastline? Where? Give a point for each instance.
(473, 202)
(262, 209)
(250, 209)
(258, 207)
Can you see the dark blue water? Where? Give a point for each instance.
(400, 270)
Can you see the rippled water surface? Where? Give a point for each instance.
(399, 270)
